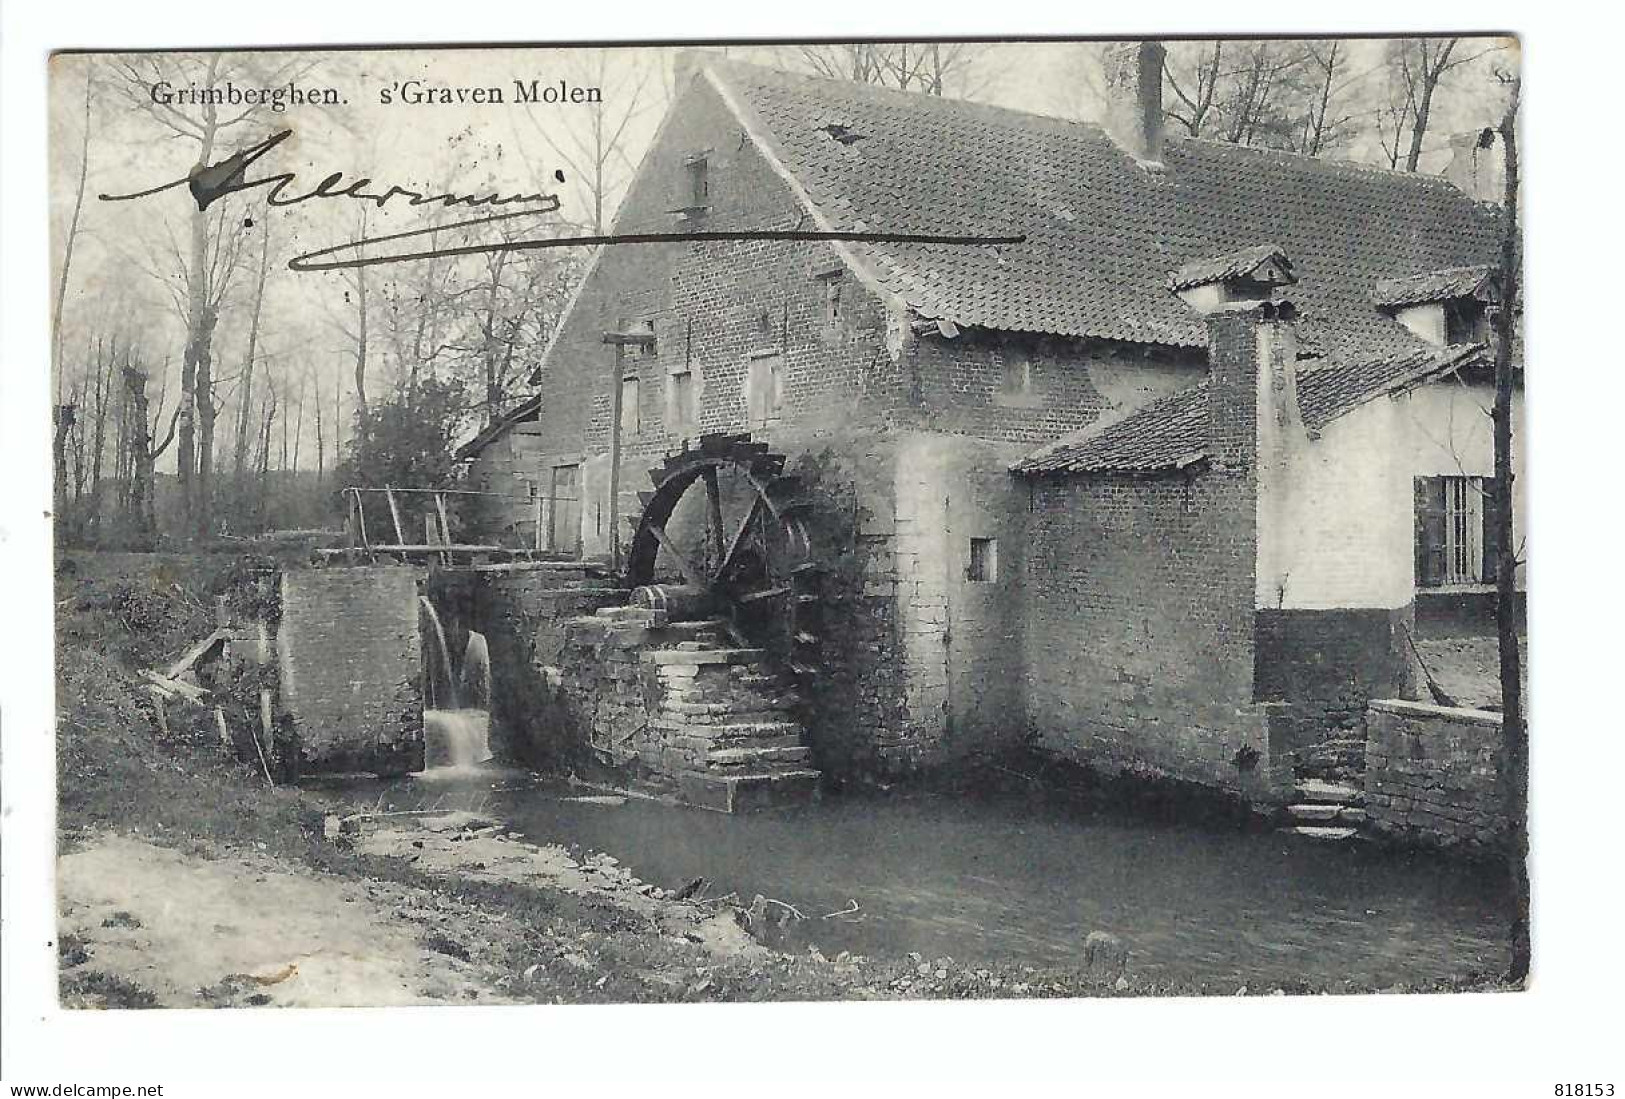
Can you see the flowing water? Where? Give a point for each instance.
(456, 733)
(1014, 880)
(455, 742)
(442, 686)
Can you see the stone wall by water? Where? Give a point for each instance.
(1433, 775)
(350, 667)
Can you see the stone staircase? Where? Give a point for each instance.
(712, 719)
(1326, 809)
(728, 722)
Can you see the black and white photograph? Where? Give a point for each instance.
(782, 520)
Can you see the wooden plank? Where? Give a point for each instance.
(172, 687)
(698, 579)
(394, 514)
(195, 653)
(445, 526)
(361, 516)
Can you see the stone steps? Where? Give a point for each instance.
(1333, 833)
(757, 756)
(1326, 810)
(745, 792)
(1324, 791)
(700, 657)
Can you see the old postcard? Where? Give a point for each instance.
(887, 520)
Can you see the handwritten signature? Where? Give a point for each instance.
(211, 182)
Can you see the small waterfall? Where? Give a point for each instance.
(456, 737)
(444, 680)
(476, 680)
(455, 740)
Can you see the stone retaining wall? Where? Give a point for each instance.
(1433, 775)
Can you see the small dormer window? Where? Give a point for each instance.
(1251, 274)
(1450, 306)
(1466, 320)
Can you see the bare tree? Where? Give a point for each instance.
(245, 396)
(72, 235)
(597, 155)
(1514, 731)
(1329, 119)
(1191, 71)
(1417, 71)
(205, 275)
(960, 69)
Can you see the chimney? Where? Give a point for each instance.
(1134, 99)
(683, 67)
(1477, 165)
(1255, 425)
(1252, 383)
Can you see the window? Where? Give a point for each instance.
(698, 177)
(762, 384)
(1465, 321)
(564, 511)
(630, 419)
(832, 303)
(1018, 373)
(984, 560)
(682, 412)
(1455, 520)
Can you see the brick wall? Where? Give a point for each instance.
(1327, 664)
(1139, 649)
(1433, 775)
(350, 668)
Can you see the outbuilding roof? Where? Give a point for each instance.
(1172, 432)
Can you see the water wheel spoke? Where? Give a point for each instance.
(713, 499)
(765, 593)
(692, 573)
(730, 558)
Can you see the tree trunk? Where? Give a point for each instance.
(62, 422)
(245, 401)
(73, 235)
(1431, 75)
(199, 332)
(1514, 731)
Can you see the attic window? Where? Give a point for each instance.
(832, 302)
(1466, 321)
(695, 193)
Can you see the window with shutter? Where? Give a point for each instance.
(1492, 512)
(1451, 530)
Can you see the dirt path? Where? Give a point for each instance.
(248, 930)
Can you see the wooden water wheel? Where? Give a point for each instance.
(724, 532)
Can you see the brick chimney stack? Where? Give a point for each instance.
(1134, 99)
(1252, 382)
(1478, 165)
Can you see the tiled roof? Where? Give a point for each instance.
(1231, 265)
(1172, 432)
(1102, 233)
(1168, 433)
(1326, 393)
(1453, 282)
(494, 430)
